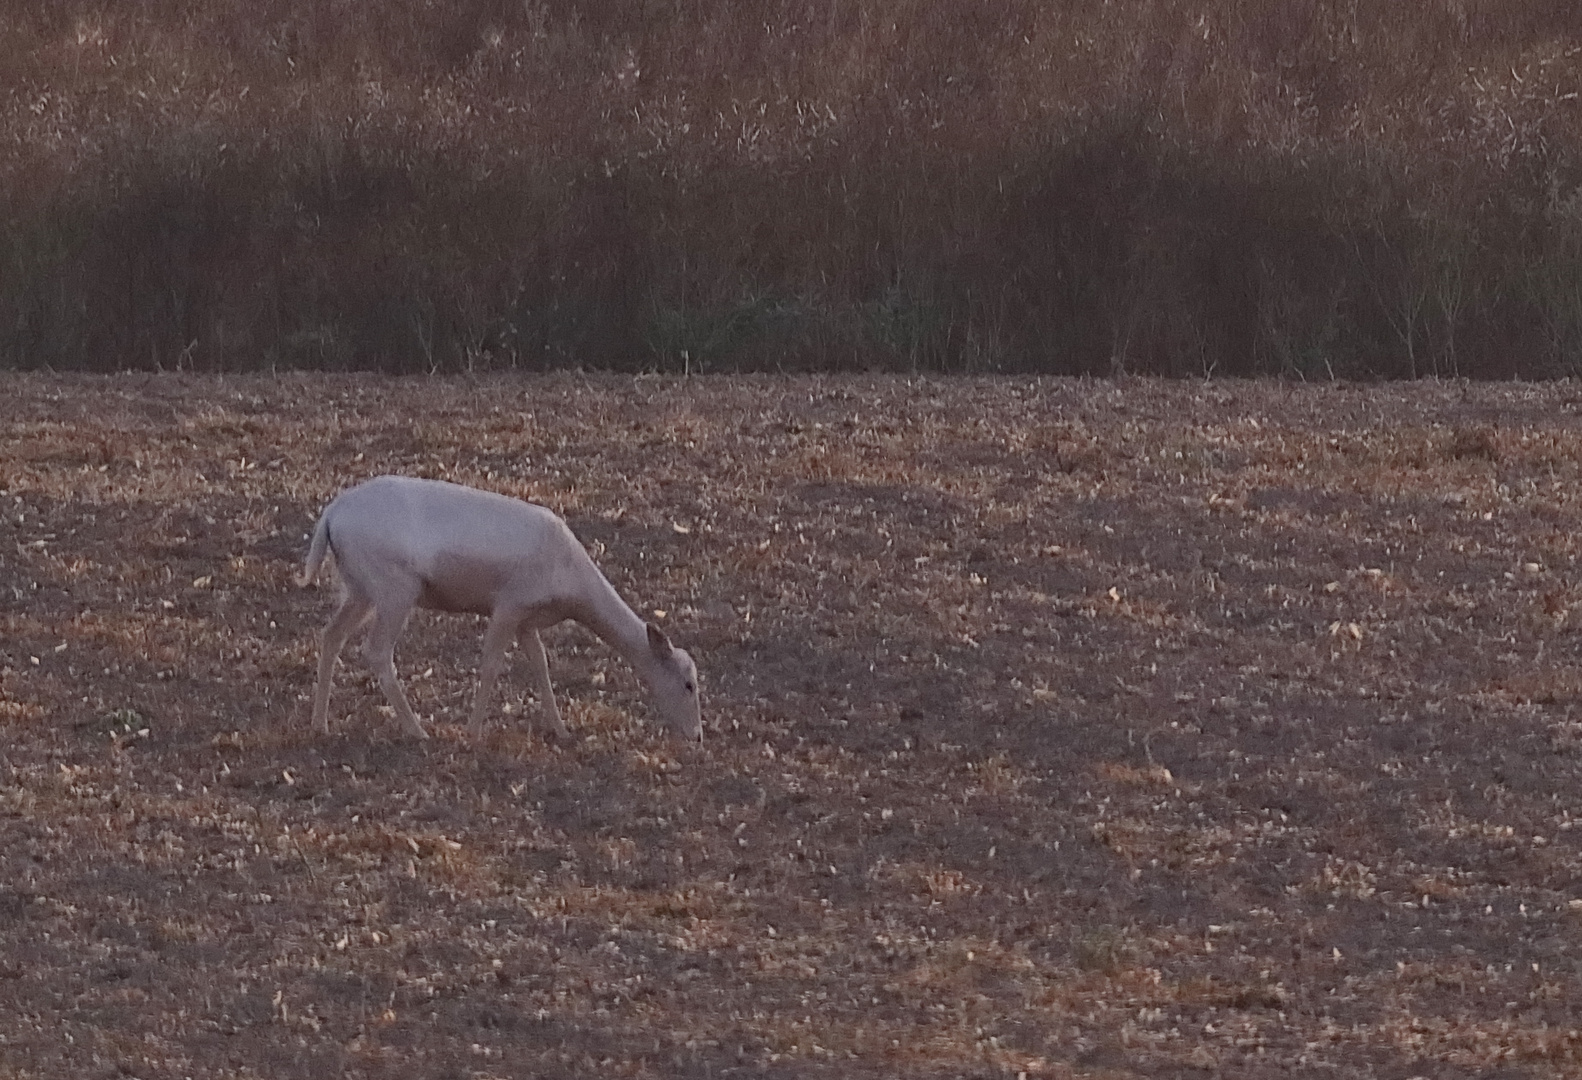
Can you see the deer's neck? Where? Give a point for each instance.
(612, 619)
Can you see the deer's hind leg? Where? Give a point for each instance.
(347, 620)
(390, 618)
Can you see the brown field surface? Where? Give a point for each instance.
(1057, 728)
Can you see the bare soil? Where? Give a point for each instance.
(1063, 728)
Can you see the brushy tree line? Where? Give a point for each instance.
(1311, 188)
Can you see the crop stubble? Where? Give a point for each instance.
(1060, 727)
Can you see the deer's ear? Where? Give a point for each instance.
(658, 642)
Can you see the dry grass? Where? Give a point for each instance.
(1311, 187)
(1057, 728)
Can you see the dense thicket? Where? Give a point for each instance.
(1309, 187)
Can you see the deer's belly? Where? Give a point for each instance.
(461, 585)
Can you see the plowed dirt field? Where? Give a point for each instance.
(1055, 728)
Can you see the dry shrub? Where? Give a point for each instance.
(1151, 776)
(1481, 443)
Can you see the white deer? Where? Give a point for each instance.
(401, 542)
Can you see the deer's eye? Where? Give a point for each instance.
(690, 687)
